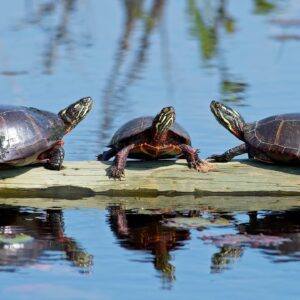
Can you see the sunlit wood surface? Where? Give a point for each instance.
(165, 178)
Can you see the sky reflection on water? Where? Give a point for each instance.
(135, 251)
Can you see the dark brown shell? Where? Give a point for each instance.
(276, 134)
(139, 126)
(26, 131)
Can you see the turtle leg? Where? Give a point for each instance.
(55, 158)
(116, 171)
(193, 160)
(106, 155)
(230, 154)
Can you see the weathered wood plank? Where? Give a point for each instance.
(87, 178)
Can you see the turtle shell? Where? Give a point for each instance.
(26, 132)
(277, 136)
(140, 125)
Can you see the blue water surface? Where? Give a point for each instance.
(133, 58)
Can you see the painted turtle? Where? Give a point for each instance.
(272, 140)
(152, 138)
(29, 135)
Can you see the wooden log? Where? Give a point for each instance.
(88, 178)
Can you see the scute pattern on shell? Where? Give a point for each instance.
(139, 125)
(276, 134)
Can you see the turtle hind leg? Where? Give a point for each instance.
(230, 154)
(260, 156)
(193, 160)
(55, 158)
(106, 155)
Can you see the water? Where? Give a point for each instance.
(132, 58)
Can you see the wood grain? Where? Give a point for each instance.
(169, 178)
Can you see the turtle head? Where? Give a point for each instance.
(229, 118)
(163, 121)
(76, 112)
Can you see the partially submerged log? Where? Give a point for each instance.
(169, 178)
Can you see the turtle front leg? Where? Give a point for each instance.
(193, 160)
(117, 169)
(229, 154)
(55, 157)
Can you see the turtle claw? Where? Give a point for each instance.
(116, 173)
(201, 166)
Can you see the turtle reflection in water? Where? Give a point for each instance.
(29, 135)
(151, 139)
(275, 233)
(137, 231)
(25, 236)
(232, 247)
(271, 140)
